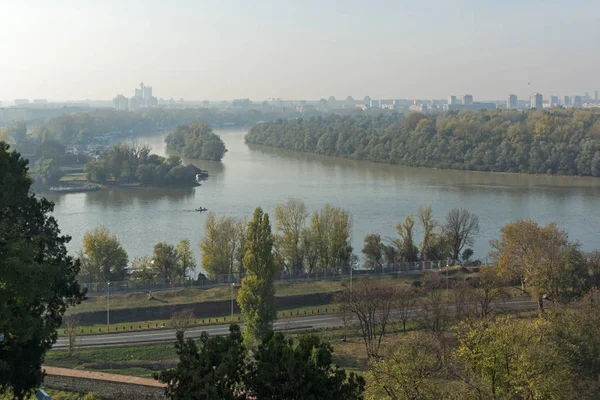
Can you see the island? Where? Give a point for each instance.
(134, 165)
(196, 141)
(554, 141)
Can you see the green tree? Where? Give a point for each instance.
(46, 172)
(289, 222)
(407, 249)
(543, 259)
(104, 254)
(196, 141)
(283, 370)
(593, 263)
(515, 359)
(37, 278)
(165, 261)
(257, 294)
(210, 368)
(222, 246)
(428, 225)
(414, 369)
(373, 251)
(18, 131)
(331, 230)
(142, 269)
(186, 262)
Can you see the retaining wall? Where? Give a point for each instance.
(203, 309)
(105, 386)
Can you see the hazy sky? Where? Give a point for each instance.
(222, 49)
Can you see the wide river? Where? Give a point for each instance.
(377, 195)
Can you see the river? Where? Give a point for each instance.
(377, 195)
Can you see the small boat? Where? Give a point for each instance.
(201, 209)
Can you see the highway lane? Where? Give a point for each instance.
(295, 323)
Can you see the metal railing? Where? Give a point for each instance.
(341, 273)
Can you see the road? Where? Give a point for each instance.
(295, 323)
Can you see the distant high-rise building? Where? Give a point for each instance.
(577, 101)
(467, 99)
(537, 101)
(375, 104)
(566, 101)
(553, 101)
(367, 100)
(596, 98)
(147, 92)
(121, 103)
(511, 101)
(21, 102)
(40, 101)
(452, 100)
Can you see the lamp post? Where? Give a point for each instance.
(108, 306)
(447, 268)
(232, 286)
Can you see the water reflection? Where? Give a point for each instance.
(370, 171)
(138, 196)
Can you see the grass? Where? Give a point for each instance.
(140, 361)
(144, 360)
(197, 295)
(74, 178)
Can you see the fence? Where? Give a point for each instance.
(100, 288)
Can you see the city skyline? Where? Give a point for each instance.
(276, 50)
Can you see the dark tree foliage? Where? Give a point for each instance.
(221, 368)
(284, 371)
(210, 369)
(83, 127)
(196, 141)
(37, 278)
(556, 141)
(130, 163)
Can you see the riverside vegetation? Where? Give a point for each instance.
(556, 141)
(196, 141)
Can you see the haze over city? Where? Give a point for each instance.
(67, 50)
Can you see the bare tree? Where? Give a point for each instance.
(488, 292)
(460, 229)
(182, 320)
(406, 301)
(72, 332)
(435, 307)
(372, 305)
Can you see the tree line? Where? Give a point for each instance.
(557, 141)
(103, 259)
(133, 163)
(196, 141)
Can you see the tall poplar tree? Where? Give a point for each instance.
(256, 298)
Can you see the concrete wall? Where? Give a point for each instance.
(103, 388)
(203, 309)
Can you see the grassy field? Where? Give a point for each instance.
(196, 295)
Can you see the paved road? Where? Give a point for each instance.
(296, 323)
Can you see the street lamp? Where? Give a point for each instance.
(108, 306)
(447, 268)
(232, 286)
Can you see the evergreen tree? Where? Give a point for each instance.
(257, 295)
(37, 278)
